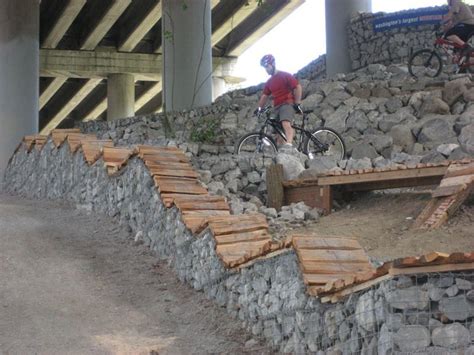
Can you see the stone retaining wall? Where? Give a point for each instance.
(392, 46)
(429, 313)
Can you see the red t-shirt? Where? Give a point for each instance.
(281, 86)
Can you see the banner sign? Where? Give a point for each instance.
(414, 18)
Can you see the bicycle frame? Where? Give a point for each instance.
(278, 128)
(447, 46)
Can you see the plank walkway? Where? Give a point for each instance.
(455, 187)
(332, 267)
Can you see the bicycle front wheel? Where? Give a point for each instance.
(325, 142)
(256, 143)
(425, 63)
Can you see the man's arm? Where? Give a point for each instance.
(297, 92)
(263, 100)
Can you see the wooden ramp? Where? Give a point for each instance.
(116, 157)
(241, 238)
(455, 187)
(318, 192)
(75, 140)
(59, 135)
(326, 261)
(92, 148)
(37, 141)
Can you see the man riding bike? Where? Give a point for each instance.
(459, 25)
(286, 92)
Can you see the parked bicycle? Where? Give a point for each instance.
(322, 141)
(429, 62)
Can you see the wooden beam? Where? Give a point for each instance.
(71, 105)
(275, 190)
(383, 175)
(49, 92)
(145, 25)
(117, 8)
(72, 9)
(431, 268)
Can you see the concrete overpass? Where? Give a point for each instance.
(83, 42)
(105, 58)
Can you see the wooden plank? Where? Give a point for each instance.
(168, 165)
(237, 223)
(324, 242)
(340, 256)
(390, 184)
(431, 268)
(448, 190)
(189, 187)
(275, 192)
(457, 180)
(459, 170)
(322, 279)
(174, 172)
(191, 205)
(388, 175)
(261, 234)
(205, 213)
(322, 267)
(356, 288)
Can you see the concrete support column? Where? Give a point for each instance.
(19, 73)
(338, 14)
(187, 57)
(120, 96)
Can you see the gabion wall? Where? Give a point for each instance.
(424, 313)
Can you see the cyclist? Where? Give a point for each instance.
(460, 24)
(286, 92)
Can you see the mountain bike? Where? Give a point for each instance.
(322, 141)
(429, 62)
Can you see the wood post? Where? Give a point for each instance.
(275, 186)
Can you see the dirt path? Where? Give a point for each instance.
(72, 283)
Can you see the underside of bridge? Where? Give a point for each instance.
(83, 42)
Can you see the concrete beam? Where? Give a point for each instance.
(244, 11)
(145, 25)
(98, 64)
(96, 111)
(69, 14)
(148, 95)
(117, 8)
(265, 27)
(49, 92)
(71, 105)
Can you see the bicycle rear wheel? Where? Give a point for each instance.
(256, 143)
(325, 142)
(425, 63)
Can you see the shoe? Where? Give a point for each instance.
(287, 144)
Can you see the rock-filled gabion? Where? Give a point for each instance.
(428, 313)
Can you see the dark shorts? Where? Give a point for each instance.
(285, 112)
(462, 30)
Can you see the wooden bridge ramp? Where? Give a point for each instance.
(455, 187)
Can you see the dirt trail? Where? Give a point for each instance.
(73, 283)
(382, 222)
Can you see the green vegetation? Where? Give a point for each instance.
(206, 132)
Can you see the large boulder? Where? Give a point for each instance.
(466, 138)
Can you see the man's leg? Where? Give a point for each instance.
(289, 131)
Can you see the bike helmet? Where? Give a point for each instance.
(267, 59)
